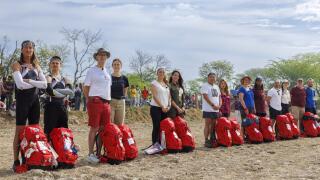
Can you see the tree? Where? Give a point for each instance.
(193, 86)
(134, 79)
(222, 68)
(7, 57)
(81, 43)
(145, 65)
(265, 73)
(45, 52)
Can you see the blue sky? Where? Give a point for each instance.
(248, 33)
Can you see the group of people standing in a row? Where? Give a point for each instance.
(105, 96)
(255, 99)
(104, 93)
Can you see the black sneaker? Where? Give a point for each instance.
(16, 163)
(208, 143)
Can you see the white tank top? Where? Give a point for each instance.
(163, 93)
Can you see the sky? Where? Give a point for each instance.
(248, 33)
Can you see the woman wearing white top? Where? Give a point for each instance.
(160, 103)
(286, 97)
(97, 90)
(28, 78)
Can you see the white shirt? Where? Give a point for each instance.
(213, 93)
(286, 97)
(99, 81)
(163, 94)
(275, 101)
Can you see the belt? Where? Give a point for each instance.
(98, 99)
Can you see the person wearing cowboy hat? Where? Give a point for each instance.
(97, 90)
(246, 97)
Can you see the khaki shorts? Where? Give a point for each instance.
(118, 108)
(298, 113)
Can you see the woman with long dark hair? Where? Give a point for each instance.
(225, 97)
(177, 95)
(28, 78)
(259, 97)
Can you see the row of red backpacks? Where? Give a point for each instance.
(260, 129)
(38, 153)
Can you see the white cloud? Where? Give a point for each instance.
(309, 11)
(187, 32)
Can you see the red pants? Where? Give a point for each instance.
(98, 112)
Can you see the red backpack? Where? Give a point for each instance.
(317, 124)
(235, 131)
(222, 130)
(129, 143)
(251, 129)
(184, 133)
(309, 125)
(294, 127)
(283, 127)
(169, 138)
(266, 129)
(111, 138)
(62, 142)
(35, 149)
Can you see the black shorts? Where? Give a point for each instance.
(27, 110)
(210, 115)
(274, 113)
(55, 116)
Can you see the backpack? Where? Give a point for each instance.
(184, 133)
(111, 138)
(266, 129)
(222, 132)
(62, 142)
(294, 127)
(35, 150)
(169, 138)
(283, 127)
(251, 129)
(235, 131)
(130, 145)
(309, 125)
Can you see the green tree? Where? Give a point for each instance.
(134, 79)
(222, 68)
(193, 86)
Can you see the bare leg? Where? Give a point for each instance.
(91, 138)
(207, 128)
(16, 143)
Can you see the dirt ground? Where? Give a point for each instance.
(294, 159)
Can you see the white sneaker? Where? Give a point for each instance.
(93, 159)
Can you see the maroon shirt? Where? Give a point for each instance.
(259, 100)
(298, 97)
(226, 105)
